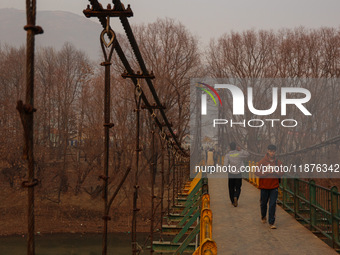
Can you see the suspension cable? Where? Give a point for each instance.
(107, 125)
(153, 165)
(138, 93)
(129, 33)
(327, 142)
(26, 112)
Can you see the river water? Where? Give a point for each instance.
(70, 244)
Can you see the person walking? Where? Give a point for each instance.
(210, 157)
(269, 184)
(234, 160)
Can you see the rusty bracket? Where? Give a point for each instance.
(106, 217)
(25, 108)
(106, 63)
(125, 12)
(25, 112)
(27, 184)
(36, 29)
(138, 75)
(110, 125)
(163, 135)
(169, 145)
(103, 177)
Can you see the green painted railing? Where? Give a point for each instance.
(314, 205)
(186, 219)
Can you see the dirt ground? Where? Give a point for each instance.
(74, 214)
(77, 213)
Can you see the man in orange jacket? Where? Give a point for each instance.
(269, 183)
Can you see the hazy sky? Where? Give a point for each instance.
(210, 19)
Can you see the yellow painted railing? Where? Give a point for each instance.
(252, 177)
(195, 181)
(207, 244)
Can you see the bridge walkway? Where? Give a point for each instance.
(239, 230)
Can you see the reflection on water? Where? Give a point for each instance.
(70, 244)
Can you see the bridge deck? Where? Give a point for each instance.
(239, 230)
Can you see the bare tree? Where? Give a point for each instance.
(289, 53)
(11, 89)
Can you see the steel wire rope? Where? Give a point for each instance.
(107, 124)
(327, 142)
(155, 227)
(97, 6)
(121, 55)
(26, 112)
(162, 184)
(134, 244)
(135, 48)
(153, 166)
(127, 66)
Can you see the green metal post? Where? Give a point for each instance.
(190, 212)
(186, 227)
(334, 211)
(312, 198)
(296, 199)
(187, 240)
(192, 196)
(284, 192)
(194, 201)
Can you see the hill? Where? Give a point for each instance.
(59, 27)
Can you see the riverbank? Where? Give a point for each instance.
(73, 214)
(75, 244)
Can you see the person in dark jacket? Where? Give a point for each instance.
(269, 184)
(235, 158)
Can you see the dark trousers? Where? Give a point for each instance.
(234, 184)
(271, 196)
